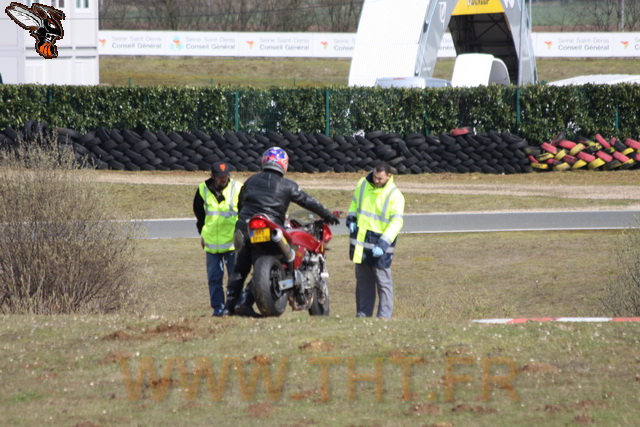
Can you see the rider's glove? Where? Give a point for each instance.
(332, 220)
(352, 227)
(377, 251)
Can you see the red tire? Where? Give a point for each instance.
(604, 156)
(632, 143)
(620, 157)
(461, 131)
(602, 141)
(548, 147)
(586, 157)
(567, 144)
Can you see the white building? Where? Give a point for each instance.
(77, 61)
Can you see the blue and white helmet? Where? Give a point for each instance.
(275, 158)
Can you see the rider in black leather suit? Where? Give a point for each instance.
(270, 194)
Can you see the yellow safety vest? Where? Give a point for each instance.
(220, 220)
(379, 215)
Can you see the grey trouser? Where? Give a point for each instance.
(370, 280)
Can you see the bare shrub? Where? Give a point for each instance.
(622, 296)
(61, 250)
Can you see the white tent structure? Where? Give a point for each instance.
(401, 38)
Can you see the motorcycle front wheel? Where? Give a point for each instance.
(267, 271)
(317, 308)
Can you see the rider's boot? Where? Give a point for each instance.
(244, 306)
(229, 305)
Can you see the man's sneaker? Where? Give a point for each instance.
(218, 312)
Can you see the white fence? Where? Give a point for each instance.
(337, 45)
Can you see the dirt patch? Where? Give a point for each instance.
(261, 410)
(583, 420)
(183, 332)
(317, 346)
(425, 409)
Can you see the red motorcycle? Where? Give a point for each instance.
(289, 264)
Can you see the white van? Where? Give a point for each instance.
(411, 82)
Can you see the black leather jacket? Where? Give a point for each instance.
(270, 194)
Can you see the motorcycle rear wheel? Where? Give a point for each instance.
(267, 271)
(318, 309)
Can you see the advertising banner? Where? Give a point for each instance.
(191, 43)
(586, 45)
(338, 45)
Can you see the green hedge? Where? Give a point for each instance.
(536, 113)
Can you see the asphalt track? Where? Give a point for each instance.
(449, 223)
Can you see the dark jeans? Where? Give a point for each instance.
(215, 274)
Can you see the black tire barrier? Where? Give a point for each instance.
(125, 149)
(459, 151)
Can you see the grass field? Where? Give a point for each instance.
(425, 365)
(68, 370)
(287, 72)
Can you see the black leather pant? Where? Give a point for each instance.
(241, 270)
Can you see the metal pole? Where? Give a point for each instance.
(520, 44)
(621, 25)
(327, 113)
(237, 111)
(518, 110)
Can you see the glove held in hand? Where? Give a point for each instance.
(332, 220)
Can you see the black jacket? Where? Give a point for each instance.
(270, 194)
(198, 203)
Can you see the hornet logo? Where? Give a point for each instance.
(43, 24)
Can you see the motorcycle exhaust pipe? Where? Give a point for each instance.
(278, 238)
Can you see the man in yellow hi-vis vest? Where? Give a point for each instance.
(215, 206)
(374, 220)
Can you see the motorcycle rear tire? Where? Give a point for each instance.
(267, 271)
(318, 309)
